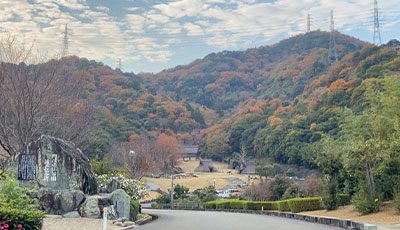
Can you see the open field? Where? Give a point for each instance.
(387, 215)
(202, 180)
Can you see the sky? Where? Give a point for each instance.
(152, 35)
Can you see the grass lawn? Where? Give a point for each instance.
(202, 180)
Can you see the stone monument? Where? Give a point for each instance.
(65, 184)
(55, 164)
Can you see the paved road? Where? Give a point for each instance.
(199, 220)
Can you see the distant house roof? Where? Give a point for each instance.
(189, 149)
(250, 168)
(206, 165)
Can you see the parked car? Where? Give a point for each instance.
(227, 193)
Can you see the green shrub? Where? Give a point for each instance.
(29, 219)
(237, 204)
(165, 198)
(330, 201)
(155, 205)
(135, 204)
(11, 195)
(257, 205)
(304, 204)
(293, 205)
(364, 205)
(210, 205)
(206, 194)
(223, 204)
(343, 199)
(102, 167)
(283, 206)
(397, 201)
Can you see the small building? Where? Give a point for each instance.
(189, 151)
(206, 165)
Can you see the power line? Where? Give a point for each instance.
(308, 23)
(377, 31)
(332, 56)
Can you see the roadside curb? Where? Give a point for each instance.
(346, 224)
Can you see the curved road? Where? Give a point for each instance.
(200, 220)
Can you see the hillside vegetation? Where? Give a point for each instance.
(284, 103)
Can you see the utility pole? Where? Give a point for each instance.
(377, 31)
(308, 23)
(172, 191)
(65, 51)
(332, 56)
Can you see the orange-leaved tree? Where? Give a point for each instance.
(166, 151)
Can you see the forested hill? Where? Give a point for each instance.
(278, 102)
(224, 80)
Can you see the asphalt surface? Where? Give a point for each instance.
(199, 220)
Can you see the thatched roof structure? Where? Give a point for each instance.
(206, 165)
(249, 168)
(189, 151)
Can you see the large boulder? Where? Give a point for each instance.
(57, 164)
(59, 202)
(90, 208)
(117, 204)
(122, 203)
(93, 207)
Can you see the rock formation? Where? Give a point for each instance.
(56, 164)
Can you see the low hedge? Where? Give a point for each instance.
(259, 205)
(292, 205)
(210, 205)
(283, 206)
(237, 204)
(226, 204)
(304, 204)
(28, 219)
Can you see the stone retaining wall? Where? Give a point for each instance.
(346, 224)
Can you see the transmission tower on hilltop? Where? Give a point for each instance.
(377, 31)
(120, 64)
(332, 56)
(65, 51)
(308, 23)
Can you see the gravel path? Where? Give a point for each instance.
(76, 224)
(152, 186)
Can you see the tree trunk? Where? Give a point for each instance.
(370, 182)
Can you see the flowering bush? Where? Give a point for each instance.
(134, 188)
(6, 226)
(17, 210)
(16, 218)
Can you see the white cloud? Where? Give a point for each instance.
(132, 9)
(102, 8)
(193, 29)
(150, 33)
